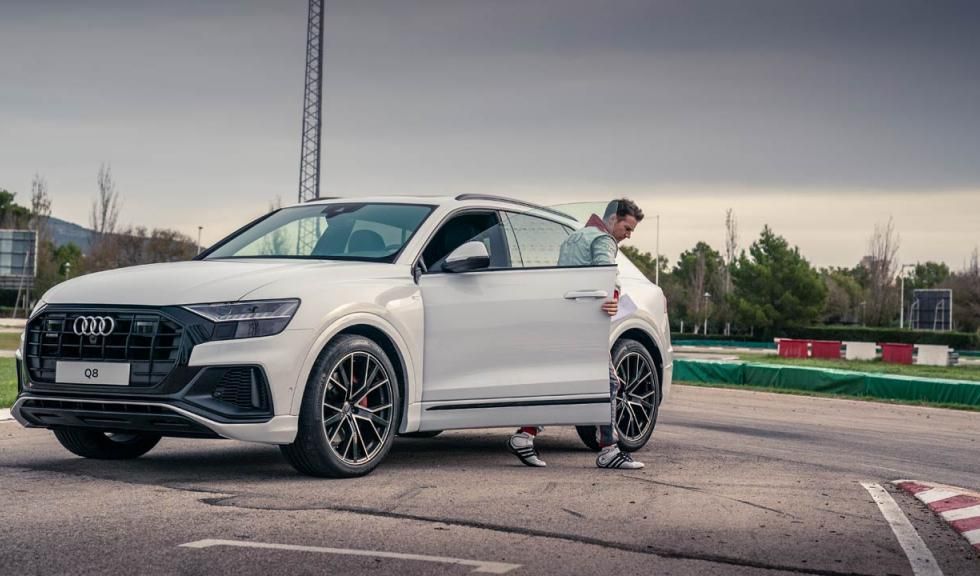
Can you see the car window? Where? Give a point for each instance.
(344, 231)
(391, 236)
(294, 238)
(470, 226)
(535, 242)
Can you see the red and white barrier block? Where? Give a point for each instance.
(960, 508)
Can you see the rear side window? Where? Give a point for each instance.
(534, 242)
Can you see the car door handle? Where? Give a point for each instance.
(586, 294)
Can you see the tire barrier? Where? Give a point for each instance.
(829, 381)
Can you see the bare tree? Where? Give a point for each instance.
(965, 285)
(105, 208)
(104, 251)
(40, 207)
(731, 247)
(165, 245)
(882, 266)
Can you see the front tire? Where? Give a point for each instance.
(105, 445)
(637, 401)
(350, 411)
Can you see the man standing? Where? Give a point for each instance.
(595, 245)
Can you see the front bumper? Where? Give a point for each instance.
(144, 416)
(187, 408)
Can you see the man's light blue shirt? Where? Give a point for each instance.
(589, 246)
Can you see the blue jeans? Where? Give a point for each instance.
(607, 435)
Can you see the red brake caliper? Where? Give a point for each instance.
(363, 401)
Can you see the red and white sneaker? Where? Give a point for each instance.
(613, 457)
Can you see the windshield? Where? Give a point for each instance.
(338, 231)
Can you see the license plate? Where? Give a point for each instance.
(105, 373)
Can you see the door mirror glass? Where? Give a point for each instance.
(468, 257)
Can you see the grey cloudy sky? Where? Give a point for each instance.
(819, 118)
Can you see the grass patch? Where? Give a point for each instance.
(969, 372)
(9, 340)
(831, 395)
(8, 382)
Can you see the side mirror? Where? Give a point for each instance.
(468, 257)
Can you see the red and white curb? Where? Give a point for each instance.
(959, 507)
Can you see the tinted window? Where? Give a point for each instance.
(535, 242)
(471, 226)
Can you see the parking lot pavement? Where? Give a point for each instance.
(737, 483)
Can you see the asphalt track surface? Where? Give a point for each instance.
(737, 482)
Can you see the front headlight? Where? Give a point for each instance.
(247, 319)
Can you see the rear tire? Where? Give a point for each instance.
(105, 445)
(638, 400)
(350, 411)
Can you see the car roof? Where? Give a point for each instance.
(442, 200)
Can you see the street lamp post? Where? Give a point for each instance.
(199, 228)
(901, 312)
(706, 297)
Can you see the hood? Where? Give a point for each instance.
(194, 282)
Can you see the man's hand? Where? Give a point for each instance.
(610, 307)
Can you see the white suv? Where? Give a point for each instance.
(328, 328)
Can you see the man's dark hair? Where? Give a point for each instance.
(622, 208)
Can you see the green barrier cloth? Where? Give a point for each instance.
(884, 386)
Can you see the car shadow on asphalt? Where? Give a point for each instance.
(178, 461)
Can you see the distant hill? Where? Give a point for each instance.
(64, 232)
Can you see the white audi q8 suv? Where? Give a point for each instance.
(330, 327)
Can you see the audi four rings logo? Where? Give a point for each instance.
(94, 325)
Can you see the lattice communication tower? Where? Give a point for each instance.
(309, 161)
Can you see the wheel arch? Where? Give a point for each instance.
(387, 337)
(648, 342)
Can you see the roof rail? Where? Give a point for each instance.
(463, 197)
(318, 198)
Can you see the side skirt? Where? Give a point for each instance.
(554, 411)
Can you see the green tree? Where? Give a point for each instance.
(775, 287)
(69, 260)
(12, 215)
(926, 275)
(700, 275)
(646, 262)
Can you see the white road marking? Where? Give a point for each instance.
(922, 561)
(478, 566)
(960, 514)
(973, 536)
(936, 494)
